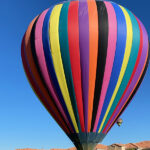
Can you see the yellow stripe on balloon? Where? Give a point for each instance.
(57, 60)
(125, 61)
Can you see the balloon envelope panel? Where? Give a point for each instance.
(85, 61)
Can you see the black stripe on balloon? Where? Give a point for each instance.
(28, 74)
(137, 87)
(32, 41)
(102, 53)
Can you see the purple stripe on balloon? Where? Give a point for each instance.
(136, 76)
(42, 63)
(112, 39)
(84, 54)
(39, 92)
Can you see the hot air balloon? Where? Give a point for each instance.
(85, 60)
(119, 122)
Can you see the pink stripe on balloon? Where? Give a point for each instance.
(42, 63)
(136, 77)
(35, 87)
(112, 39)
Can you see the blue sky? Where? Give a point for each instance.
(24, 122)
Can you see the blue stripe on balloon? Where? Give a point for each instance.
(49, 62)
(119, 54)
(130, 66)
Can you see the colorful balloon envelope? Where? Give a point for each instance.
(85, 60)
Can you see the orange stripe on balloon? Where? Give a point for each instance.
(93, 52)
(37, 78)
(36, 90)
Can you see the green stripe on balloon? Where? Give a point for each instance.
(64, 48)
(130, 66)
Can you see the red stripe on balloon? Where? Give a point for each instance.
(36, 90)
(136, 65)
(73, 38)
(134, 91)
(38, 85)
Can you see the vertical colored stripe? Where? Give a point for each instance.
(34, 75)
(42, 64)
(56, 56)
(93, 52)
(84, 54)
(125, 62)
(119, 55)
(39, 95)
(112, 39)
(130, 65)
(138, 72)
(102, 52)
(64, 49)
(73, 39)
(35, 89)
(135, 90)
(136, 65)
(49, 63)
(50, 99)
